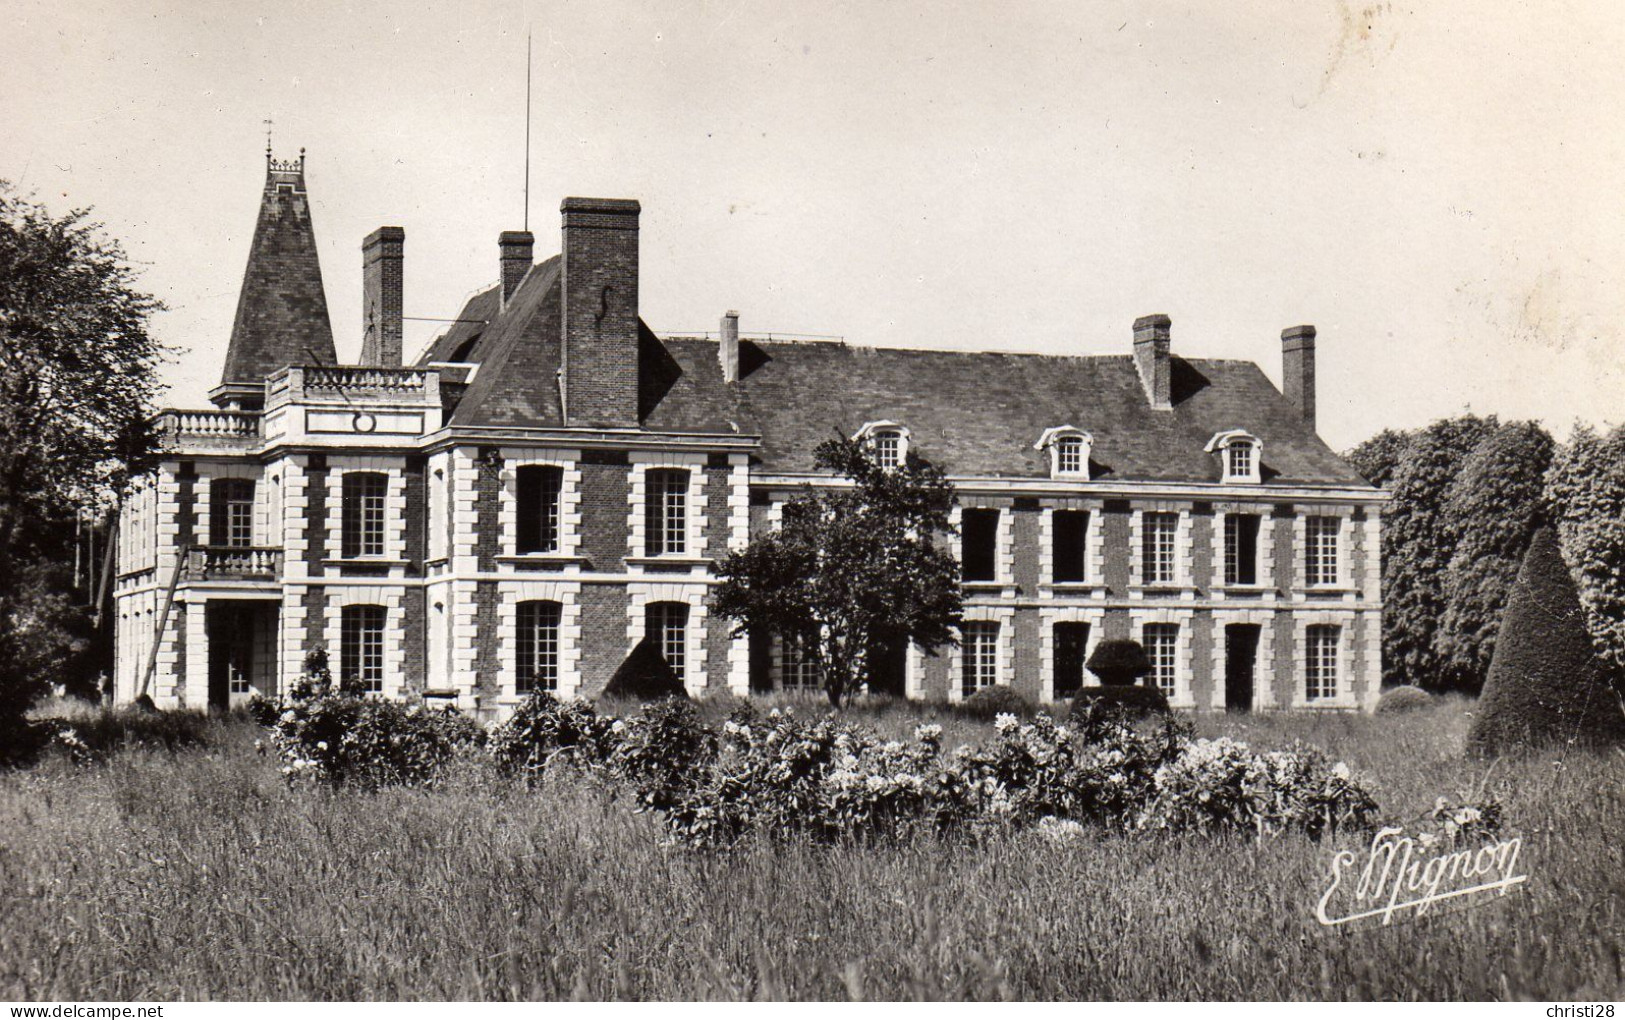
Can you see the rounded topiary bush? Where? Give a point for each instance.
(645, 675)
(1134, 702)
(1404, 698)
(1119, 662)
(1546, 683)
(991, 702)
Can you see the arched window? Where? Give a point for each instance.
(537, 491)
(363, 512)
(536, 644)
(1240, 454)
(1069, 450)
(361, 646)
(887, 442)
(667, 624)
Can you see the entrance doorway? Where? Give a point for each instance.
(1240, 665)
(242, 650)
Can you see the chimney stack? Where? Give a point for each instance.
(600, 312)
(381, 262)
(1151, 357)
(728, 350)
(516, 248)
(1298, 369)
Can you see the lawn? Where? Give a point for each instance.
(199, 874)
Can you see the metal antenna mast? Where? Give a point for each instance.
(527, 129)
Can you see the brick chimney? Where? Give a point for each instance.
(1298, 369)
(728, 349)
(516, 249)
(1151, 347)
(381, 263)
(600, 312)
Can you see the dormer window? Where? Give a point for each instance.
(1069, 450)
(887, 442)
(1240, 453)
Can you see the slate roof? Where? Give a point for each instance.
(282, 308)
(973, 414)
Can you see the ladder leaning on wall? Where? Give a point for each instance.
(163, 622)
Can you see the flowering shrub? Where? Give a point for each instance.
(1450, 826)
(544, 729)
(335, 735)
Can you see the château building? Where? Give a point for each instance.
(551, 481)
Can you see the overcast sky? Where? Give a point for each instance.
(1436, 188)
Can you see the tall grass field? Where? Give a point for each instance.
(197, 872)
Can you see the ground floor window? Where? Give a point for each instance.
(537, 647)
(667, 624)
(361, 647)
(1161, 641)
(979, 655)
(797, 670)
(1320, 673)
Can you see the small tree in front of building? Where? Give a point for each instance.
(852, 567)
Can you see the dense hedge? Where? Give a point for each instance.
(989, 703)
(1546, 683)
(1586, 491)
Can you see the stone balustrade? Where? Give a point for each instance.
(218, 562)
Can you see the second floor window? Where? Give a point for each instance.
(537, 647)
(538, 491)
(667, 624)
(361, 646)
(1157, 548)
(979, 534)
(1241, 549)
(1070, 545)
(665, 517)
(1162, 648)
(979, 655)
(231, 512)
(1320, 550)
(364, 496)
(1320, 676)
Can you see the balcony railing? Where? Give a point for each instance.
(222, 562)
(209, 424)
(348, 379)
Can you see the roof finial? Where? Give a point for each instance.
(267, 123)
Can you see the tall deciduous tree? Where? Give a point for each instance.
(76, 386)
(851, 569)
(1586, 491)
(1494, 506)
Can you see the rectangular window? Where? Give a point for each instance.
(1241, 548)
(538, 488)
(1320, 677)
(1069, 456)
(1241, 460)
(1161, 641)
(1070, 545)
(888, 449)
(667, 623)
(363, 512)
(361, 647)
(979, 534)
(797, 670)
(231, 512)
(1320, 550)
(979, 655)
(1158, 531)
(537, 647)
(1071, 646)
(665, 515)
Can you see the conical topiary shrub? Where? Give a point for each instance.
(645, 675)
(1119, 662)
(1546, 684)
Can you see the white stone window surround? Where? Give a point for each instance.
(1266, 547)
(1263, 665)
(568, 595)
(1094, 549)
(871, 429)
(1222, 442)
(1300, 546)
(1004, 549)
(644, 461)
(1183, 547)
(1005, 617)
(391, 598)
(1184, 659)
(437, 493)
(1048, 617)
(514, 458)
(1051, 440)
(639, 595)
(339, 465)
(1343, 620)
